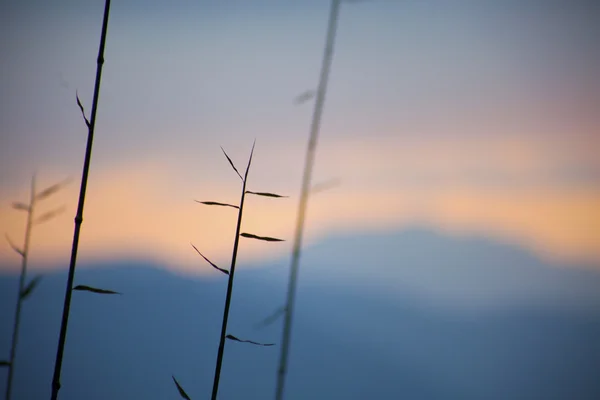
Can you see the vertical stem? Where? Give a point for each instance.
(79, 215)
(306, 179)
(228, 298)
(15, 335)
(215, 389)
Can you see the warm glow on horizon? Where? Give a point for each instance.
(137, 211)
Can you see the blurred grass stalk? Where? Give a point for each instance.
(304, 194)
(25, 291)
(79, 216)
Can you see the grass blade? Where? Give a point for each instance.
(214, 203)
(322, 186)
(29, 288)
(265, 194)
(231, 162)
(210, 262)
(49, 215)
(49, 191)
(271, 318)
(87, 122)
(14, 246)
(4, 363)
(304, 97)
(20, 206)
(265, 238)
(249, 161)
(182, 392)
(94, 290)
(231, 337)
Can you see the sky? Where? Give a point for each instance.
(474, 118)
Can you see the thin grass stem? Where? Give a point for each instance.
(24, 258)
(79, 216)
(304, 195)
(219, 362)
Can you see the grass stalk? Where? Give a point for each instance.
(79, 216)
(24, 257)
(231, 273)
(25, 290)
(304, 195)
(219, 362)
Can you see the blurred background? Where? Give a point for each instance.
(459, 256)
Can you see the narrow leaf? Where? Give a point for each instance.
(29, 288)
(182, 392)
(82, 110)
(231, 162)
(210, 262)
(265, 238)
(249, 161)
(49, 215)
(20, 206)
(231, 337)
(271, 318)
(214, 203)
(94, 290)
(322, 186)
(4, 363)
(304, 97)
(265, 194)
(49, 191)
(14, 247)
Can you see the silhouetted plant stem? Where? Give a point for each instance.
(231, 272)
(79, 216)
(304, 194)
(219, 363)
(24, 257)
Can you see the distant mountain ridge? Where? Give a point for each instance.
(404, 315)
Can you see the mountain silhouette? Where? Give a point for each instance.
(411, 314)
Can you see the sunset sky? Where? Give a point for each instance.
(477, 118)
